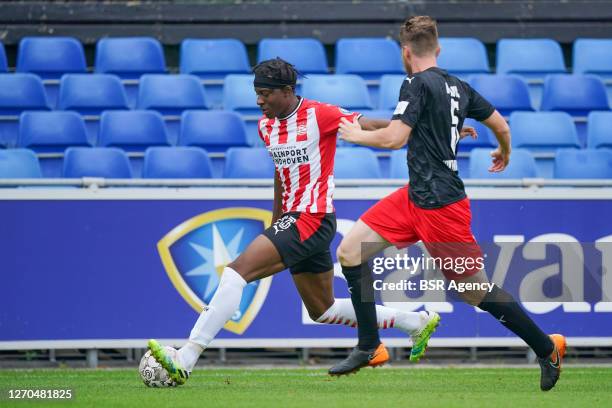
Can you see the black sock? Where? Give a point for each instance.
(501, 305)
(360, 290)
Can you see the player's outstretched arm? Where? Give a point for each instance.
(501, 155)
(373, 124)
(394, 136)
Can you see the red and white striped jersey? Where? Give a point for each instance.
(303, 146)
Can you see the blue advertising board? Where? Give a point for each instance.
(96, 268)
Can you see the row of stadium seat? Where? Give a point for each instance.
(131, 57)
(240, 162)
(218, 130)
(90, 94)
(212, 59)
(50, 133)
(171, 93)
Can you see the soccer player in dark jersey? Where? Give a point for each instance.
(300, 135)
(433, 207)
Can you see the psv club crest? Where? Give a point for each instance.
(195, 252)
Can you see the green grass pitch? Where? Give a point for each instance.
(407, 387)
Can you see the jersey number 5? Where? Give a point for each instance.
(454, 107)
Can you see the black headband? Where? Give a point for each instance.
(272, 83)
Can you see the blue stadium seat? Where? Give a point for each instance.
(522, 165)
(51, 132)
(215, 131)
(19, 163)
(594, 56)
(347, 91)
(211, 60)
(3, 63)
(129, 57)
(389, 90)
(356, 163)
(107, 162)
(507, 93)
(46, 132)
(50, 58)
(171, 94)
(539, 56)
(576, 95)
(214, 58)
(239, 96)
(248, 162)
(463, 56)
(132, 130)
(583, 164)
(543, 133)
(18, 92)
(532, 59)
(599, 125)
(176, 162)
(90, 94)
(306, 54)
(368, 57)
(399, 165)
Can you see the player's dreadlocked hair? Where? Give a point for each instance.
(276, 73)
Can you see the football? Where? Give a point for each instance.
(152, 373)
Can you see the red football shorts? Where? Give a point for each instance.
(446, 231)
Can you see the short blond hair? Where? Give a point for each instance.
(420, 33)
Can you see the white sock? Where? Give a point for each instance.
(342, 312)
(189, 354)
(221, 308)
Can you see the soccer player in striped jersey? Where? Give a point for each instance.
(433, 207)
(300, 135)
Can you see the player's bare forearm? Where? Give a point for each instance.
(381, 138)
(372, 138)
(501, 130)
(373, 124)
(393, 136)
(501, 155)
(277, 208)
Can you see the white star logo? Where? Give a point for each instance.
(215, 259)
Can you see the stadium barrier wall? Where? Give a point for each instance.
(103, 268)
